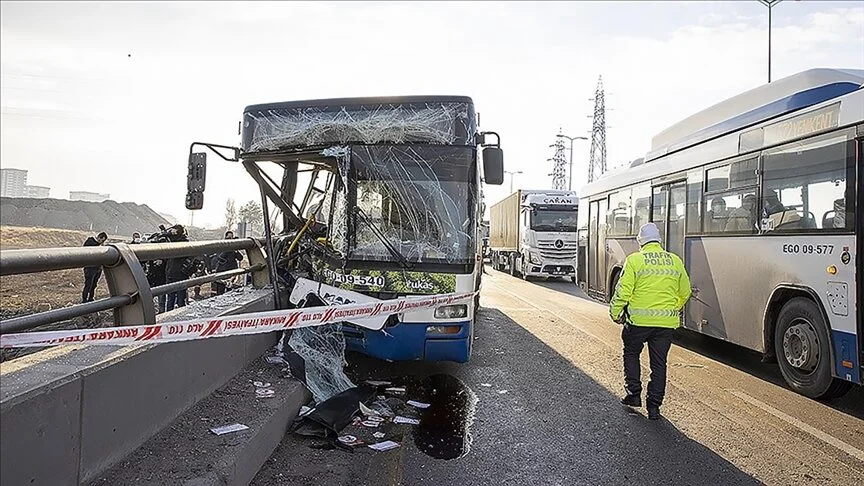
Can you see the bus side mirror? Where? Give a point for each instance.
(195, 180)
(493, 166)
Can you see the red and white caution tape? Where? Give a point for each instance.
(253, 323)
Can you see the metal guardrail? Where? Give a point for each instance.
(131, 295)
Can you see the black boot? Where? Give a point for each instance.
(632, 400)
(653, 413)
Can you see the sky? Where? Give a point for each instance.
(107, 97)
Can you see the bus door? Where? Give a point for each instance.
(597, 246)
(668, 213)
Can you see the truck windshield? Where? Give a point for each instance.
(419, 197)
(554, 220)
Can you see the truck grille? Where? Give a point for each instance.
(558, 249)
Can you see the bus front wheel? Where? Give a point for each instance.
(803, 349)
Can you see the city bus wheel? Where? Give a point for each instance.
(802, 345)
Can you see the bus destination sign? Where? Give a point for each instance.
(803, 125)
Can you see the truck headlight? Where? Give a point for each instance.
(534, 258)
(451, 311)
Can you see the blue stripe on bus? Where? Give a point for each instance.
(793, 102)
(846, 366)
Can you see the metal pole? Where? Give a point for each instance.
(271, 256)
(570, 182)
(770, 6)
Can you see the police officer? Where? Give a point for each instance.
(653, 288)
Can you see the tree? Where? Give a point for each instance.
(252, 213)
(230, 215)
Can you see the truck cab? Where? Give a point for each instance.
(547, 232)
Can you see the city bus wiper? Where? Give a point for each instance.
(393, 251)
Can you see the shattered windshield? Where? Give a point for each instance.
(553, 220)
(419, 198)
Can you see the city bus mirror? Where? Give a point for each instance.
(493, 165)
(194, 200)
(197, 172)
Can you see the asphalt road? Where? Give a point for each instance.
(539, 400)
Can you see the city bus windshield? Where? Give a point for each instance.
(554, 220)
(419, 198)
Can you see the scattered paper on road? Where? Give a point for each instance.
(275, 360)
(370, 423)
(379, 435)
(261, 384)
(398, 390)
(350, 440)
(227, 429)
(417, 404)
(405, 420)
(378, 383)
(265, 393)
(384, 446)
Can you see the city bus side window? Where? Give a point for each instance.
(809, 186)
(694, 201)
(619, 213)
(730, 198)
(641, 206)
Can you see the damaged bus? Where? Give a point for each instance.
(380, 199)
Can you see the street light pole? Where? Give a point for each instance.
(770, 4)
(570, 183)
(511, 178)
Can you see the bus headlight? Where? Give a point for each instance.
(451, 311)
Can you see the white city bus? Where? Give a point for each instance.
(761, 195)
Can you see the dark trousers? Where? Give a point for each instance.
(176, 299)
(659, 341)
(91, 279)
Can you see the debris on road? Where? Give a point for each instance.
(378, 383)
(405, 420)
(276, 360)
(417, 404)
(227, 429)
(350, 441)
(486, 385)
(384, 446)
(395, 390)
(265, 393)
(688, 365)
(379, 435)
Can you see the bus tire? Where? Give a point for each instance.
(803, 350)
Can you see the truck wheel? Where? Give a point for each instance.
(513, 271)
(803, 350)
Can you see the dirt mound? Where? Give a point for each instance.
(13, 237)
(109, 216)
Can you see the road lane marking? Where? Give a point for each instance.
(824, 437)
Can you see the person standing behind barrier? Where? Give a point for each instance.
(228, 260)
(652, 290)
(92, 274)
(178, 269)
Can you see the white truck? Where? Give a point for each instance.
(532, 233)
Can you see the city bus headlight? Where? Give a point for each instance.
(451, 311)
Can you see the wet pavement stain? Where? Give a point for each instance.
(444, 430)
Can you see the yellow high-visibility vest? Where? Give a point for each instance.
(654, 286)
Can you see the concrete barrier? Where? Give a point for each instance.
(71, 412)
